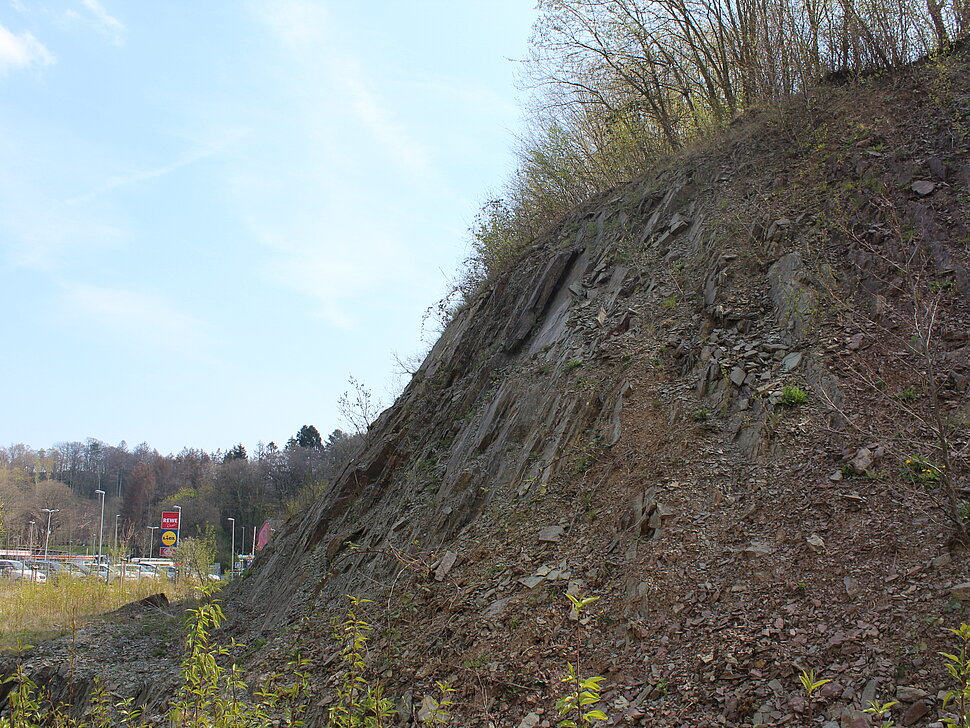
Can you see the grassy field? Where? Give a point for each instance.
(33, 612)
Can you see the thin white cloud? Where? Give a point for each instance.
(143, 176)
(366, 106)
(297, 23)
(133, 313)
(334, 272)
(304, 28)
(22, 51)
(106, 23)
(41, 235)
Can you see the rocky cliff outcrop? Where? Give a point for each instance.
(695, 398)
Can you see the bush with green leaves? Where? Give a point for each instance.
(360, 704)
(958, 666)
(577, 708)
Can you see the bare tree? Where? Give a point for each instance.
(358, 407)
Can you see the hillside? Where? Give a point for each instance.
(620, 415)
(729, 399)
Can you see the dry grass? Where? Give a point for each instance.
(33, 612)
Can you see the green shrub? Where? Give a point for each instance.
(701, 415)
(958, 666)
(793, 396)
(919, 470)
(908, 395)
(577, 708)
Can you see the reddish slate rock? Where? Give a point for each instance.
(916, 711)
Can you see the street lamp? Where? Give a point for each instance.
(151, 539)
(50, 512)
(101, 527)
(31, 547)
(117, 517)
(232, 551)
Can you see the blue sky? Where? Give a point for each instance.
(213, 213)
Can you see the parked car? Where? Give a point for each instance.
(138, 571)
(53, 569)
(149, 571)
(75, 570)
(104, 572)
(17, 570)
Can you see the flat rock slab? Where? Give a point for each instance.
(447, 563)
(961, 592)
(791, 361)
(551, 534)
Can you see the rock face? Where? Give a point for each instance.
(688, 399)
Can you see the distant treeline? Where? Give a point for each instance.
(140, 483)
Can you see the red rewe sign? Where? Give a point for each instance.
(170, 521)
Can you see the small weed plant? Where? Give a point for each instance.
(440, 712)
(810, 685)
(880, 711)
(793, 396)
(908, 395)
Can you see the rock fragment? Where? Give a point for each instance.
(551, 534)
(961, 592)
(446, 565)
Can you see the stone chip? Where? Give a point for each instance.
(551, 534)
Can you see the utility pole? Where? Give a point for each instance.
(50, 512)
(151, 539)
(101, 527)
(232, 551)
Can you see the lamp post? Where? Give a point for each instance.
(151, 539)
(117, 517)
(179, 538)
(30, 548)
(101, 528)
(47, 541)
(232, 551)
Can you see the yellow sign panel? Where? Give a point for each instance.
(169, 538)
